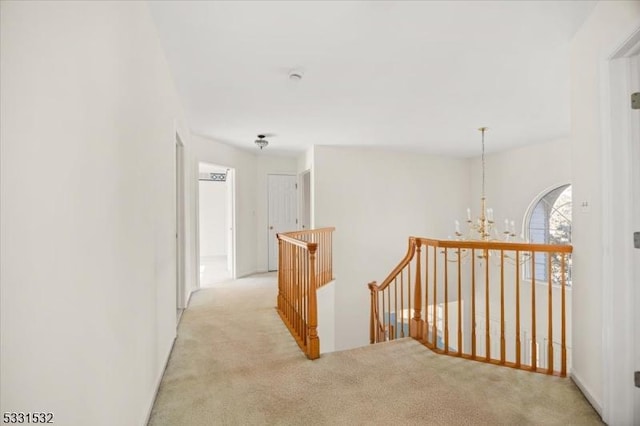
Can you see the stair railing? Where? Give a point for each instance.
(496, 302)
(304, 265)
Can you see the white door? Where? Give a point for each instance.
(231, 214)
(635, 215)
(282, 211)
(621, 261)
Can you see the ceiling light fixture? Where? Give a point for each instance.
(261, 141)
(295, 75)
(483, 228)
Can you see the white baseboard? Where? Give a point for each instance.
(246, 274)
(159, 380)
(587, 394)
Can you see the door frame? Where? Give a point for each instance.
(231, 218)
(618, 153)
(304, 200)
(268, 212)
(180, 203)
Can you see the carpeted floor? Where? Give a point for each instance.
(234, 363)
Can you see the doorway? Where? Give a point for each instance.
(216, 236)
(621, 217)
(282, 208)
(180, 240)
(635, 169)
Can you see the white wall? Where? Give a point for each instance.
(305, 162)
(376, 199)
(213, 218)
(88, 296)
(327, 317)
(607, 27)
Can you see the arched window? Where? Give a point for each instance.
(549, 222)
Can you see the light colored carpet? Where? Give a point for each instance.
(234, 363)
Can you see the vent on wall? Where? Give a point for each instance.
(213, 177)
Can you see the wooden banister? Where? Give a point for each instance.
(305, 264)
(441, 304)
(403, 263)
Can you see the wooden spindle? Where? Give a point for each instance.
(550, 317)
(280, 272)
(373, 295)
(294, 289)
(446, 301)
(534, 343)
(563, 343)
(435, 299)
(298, 294)
(290, 298)
(426, 294)
(502, 338)
(384, 320)
(518, 347)
(409, 311)
(473, 303)
(402, 308)
(459, 302)
(395, 305)
(487, 350)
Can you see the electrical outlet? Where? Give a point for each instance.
(636, 240)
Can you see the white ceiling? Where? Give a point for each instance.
(408, 75)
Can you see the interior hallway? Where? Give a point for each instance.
(213, 270)
(234, 362)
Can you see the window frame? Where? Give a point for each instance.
(526, 270)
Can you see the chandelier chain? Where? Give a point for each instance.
(482, 129)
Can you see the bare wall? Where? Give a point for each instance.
(88, 296)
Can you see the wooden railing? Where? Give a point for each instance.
(304, 264)
(479, 300)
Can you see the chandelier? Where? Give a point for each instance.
(484, 228)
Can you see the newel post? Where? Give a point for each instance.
(372, 320)
(313, 345)
(416, 322)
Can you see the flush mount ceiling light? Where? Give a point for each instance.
(295, 75)
(261, 141)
